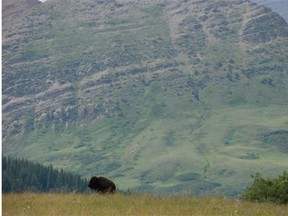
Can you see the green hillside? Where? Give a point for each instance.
(184, 97)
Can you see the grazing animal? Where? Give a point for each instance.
(102, 185)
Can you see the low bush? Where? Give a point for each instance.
(268, 189)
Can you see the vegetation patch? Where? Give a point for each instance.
(278, 139)
(268, 189)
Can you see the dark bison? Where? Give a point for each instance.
(102, 185)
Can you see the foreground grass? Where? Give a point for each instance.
(118, 204)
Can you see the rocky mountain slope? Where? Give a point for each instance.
(162, 96)
(279, 6)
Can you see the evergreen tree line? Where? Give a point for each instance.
(21, 175)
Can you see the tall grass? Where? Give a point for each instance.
(119, 204)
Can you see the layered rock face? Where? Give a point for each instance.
(58, 64)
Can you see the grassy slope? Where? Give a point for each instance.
(221, 145)
(162, 130)
(79, 204)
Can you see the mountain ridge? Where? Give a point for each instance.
(95, 91)
(279, 6)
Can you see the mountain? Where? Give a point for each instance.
(279, 6)
(178, 97)
(11, 8)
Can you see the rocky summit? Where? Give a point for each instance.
(178, 97)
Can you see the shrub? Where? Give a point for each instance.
(268, 189)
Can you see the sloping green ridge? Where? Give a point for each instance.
(178, 98)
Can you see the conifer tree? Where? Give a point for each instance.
(19, 175)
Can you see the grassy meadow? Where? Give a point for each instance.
(140, 204)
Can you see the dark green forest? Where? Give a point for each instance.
(19, 175)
